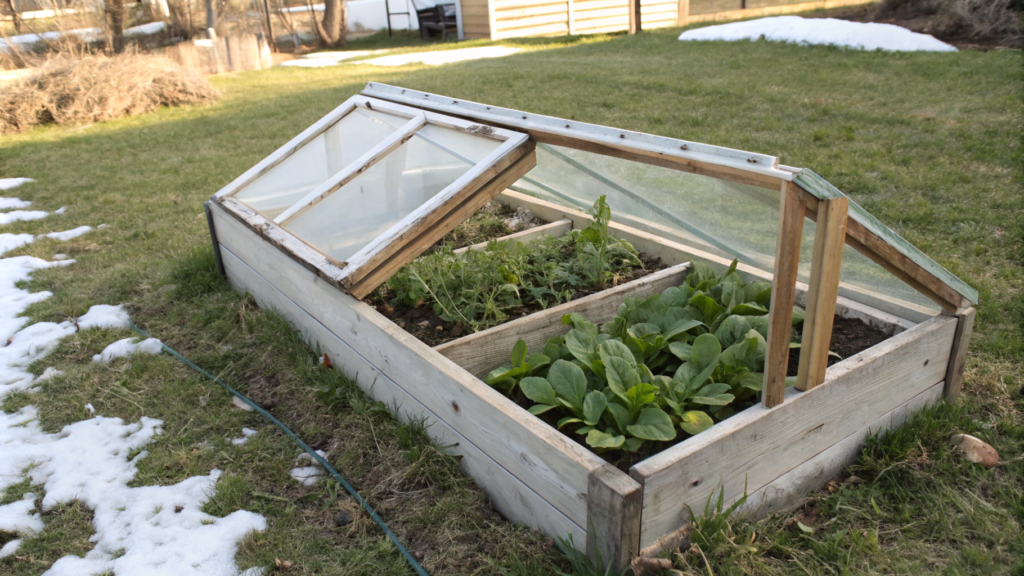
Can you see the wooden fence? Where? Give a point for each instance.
(498, 19)
(234, 53)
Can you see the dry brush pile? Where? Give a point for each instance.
(67, 90)
(995, 20)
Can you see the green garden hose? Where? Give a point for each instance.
(341, 480)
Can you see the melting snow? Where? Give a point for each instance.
(246, 433)
(322, 59)
(152, 530)
(307, 475)
(9, 241)
(17, 215)
(9, 203)
(69, 234)
(8, 183)
(127, 347)
(438, 57)
(843, 33)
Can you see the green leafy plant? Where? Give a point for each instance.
(674, 361)
(479, 288)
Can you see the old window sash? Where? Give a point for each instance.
(360, 274)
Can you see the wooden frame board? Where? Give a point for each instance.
(406, 239)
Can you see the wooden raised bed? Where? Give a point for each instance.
(777, 451)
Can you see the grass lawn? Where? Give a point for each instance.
(929, 143)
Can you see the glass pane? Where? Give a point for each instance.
(724, 218)
(360, 211)
(312, 164)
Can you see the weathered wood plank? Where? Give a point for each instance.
(559, 228)
(515, 500)
(958, 357)
(822, 291)
(780, 315)
(549, 463)
(481, 352)
(759, 445)
(789, 490)
(614, 501)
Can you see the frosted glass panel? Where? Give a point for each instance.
(468, 146)
(312, 164)
(724, 218)
(360, 211)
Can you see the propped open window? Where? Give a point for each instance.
(373, 184)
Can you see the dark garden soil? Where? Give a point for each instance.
(849, 337)
(424, 324)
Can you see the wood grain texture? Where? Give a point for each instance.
(753, 448)
(553, 466)
(514, 499)
(780, 315)
(822, 291)
(790, 490)
(958, 356)
(772, 10)
(614, 502)
(482, 352)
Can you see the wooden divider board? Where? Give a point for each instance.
(552, 465)
(481, 352)
(509, 495)
(759, 445)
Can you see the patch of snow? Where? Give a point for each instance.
(60, 256)
(8, 183)
(438, 57)
(19, 215)
(21, 516)
(322, 59)
(50, 372)
(9, 203)
(9, 241)
(90, 408)
(84, 34)
(145, 29)
(102, 226)
(68, 234)
(246, 433)
(104, 316)
(308, 475)
(252, 572)
(10, 548)
(127, 347)
(152, 530)
(14, 301)
(828, 31)
(61, 210)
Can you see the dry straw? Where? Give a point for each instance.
(67, 90)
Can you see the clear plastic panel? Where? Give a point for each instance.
(338, 146)
(724, 218)
(360, 211)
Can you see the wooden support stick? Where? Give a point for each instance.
(822, 291)
(614, 501)
(958, 356)
(634, 16)
(683, 13)
(780, 316)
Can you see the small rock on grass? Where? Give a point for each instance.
(854, 480)
(237, 403)
(975, 450)
(343, 518)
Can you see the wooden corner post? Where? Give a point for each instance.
(614, 502)
(634, 16)
(780, 316)
(958, 356)
(822, 291)
(683, 13)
